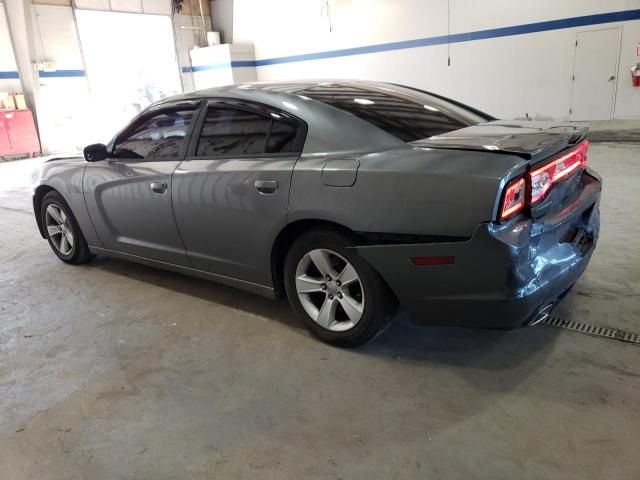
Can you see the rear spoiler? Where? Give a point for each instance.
(533, 141)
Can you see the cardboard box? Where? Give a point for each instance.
(7, 101)
(20, 102)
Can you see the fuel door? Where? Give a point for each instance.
(340, 173)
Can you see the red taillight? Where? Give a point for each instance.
(543, 178)
(513, 201)
(539, 181)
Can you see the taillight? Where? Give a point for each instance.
(513, 201)
(520, 192)
(543, 178)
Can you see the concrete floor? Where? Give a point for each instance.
(613, 130)
(116, 371)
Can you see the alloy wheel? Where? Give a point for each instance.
(330, 290)
(59, 229)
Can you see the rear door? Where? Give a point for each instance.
(594, 74)
(230, 195)
(129, 194)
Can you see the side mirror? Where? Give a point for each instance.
(95, 152)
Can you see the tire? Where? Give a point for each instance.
(309, 291)
(74, 248)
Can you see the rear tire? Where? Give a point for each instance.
(340, 298)
(62, 230)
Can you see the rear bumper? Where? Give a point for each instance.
(503, 275)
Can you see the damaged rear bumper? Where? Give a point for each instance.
(502, 276)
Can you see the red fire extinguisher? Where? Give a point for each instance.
(635, 75)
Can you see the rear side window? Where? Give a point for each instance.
(406, 117)
(281, 137)
(231, 131)
(160, 136)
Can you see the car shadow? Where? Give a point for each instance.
(492, 359)
(202, 289)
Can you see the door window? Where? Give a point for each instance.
(230, 131)
(161, 136)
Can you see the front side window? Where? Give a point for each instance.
(231, 131)
(160, 136)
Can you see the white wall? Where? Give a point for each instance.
(7, 60)
(627, 103)
(136, 6)
(222, 17)
(188, 34)
(508, 76)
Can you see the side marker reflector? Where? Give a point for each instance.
(420, 261)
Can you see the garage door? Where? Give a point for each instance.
(131, 62)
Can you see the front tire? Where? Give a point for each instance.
(340, 298)
(62, 230)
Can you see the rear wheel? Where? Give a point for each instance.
(338, 295)
(62, 230)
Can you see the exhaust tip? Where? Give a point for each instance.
(542, 315)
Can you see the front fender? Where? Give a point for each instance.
(66, 178)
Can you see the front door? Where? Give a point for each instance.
(129, 194)
(595, 68)
(230, 195)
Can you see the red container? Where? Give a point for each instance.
(18, 133)
(635, 81)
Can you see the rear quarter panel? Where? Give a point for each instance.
(407, 191)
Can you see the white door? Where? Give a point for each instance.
(595, 66)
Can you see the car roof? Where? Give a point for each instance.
(283, 94)
(291, 87)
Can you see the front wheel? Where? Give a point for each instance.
(340, 297)
(62, 230)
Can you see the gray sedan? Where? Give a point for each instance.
(351, 198)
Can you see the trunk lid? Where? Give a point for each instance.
(531, 140)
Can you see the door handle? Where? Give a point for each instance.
(612, 78)
(158, 187)
(266, 186)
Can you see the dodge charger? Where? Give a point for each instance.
(350, 198)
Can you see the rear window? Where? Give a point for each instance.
(409, 116)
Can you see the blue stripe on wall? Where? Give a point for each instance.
(215, 66)
(62, 74)
(202, 68)
(55, 74)
(463, 37)
(9, 75)
(572, 22)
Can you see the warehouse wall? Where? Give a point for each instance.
(64, 106)
(222, 17)
(9, 81)
(189, 33)
(509, 76)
